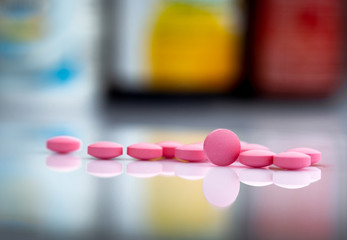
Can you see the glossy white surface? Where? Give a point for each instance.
(44, 197)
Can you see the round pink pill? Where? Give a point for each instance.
(191, 152)
(252, 146)
(63, 144)
(105, 150)
(292, 160)
(256, 158)
(222, 147)
(145, 151)
(169, 148)
(314, 154)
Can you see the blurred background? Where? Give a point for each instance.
(273, 71)
(109, 49)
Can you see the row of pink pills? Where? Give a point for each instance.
(167, 149)
(222, 147)
(142, 151)
(292, 159)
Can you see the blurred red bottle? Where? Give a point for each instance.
(298, 47)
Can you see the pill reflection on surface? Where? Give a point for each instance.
(257, 177)
(192, 171)
(143, 169)
(168, 167)
(221, 186)
(315, 173)
(291, 179)
(63, 162)
(104, 168)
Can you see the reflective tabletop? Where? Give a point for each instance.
(75, 196)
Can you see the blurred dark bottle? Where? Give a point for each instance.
(174, 46)
(298, 47)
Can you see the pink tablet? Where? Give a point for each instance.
(292, 160)
(105, 150)
(256, 158)
(63, 144)
(169, 148)
(191, 152)
(242, 144)
(222, 147)
(314, 154)
(145, 151)
(252, 146)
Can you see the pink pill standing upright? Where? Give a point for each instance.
(105, 150)
(145, 151)
(63, 144)
(314, 154)
(191, 152)
(292, 160)
(256, 158)
(222, 147)
(169, 148)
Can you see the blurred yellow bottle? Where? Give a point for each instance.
(195, 46)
